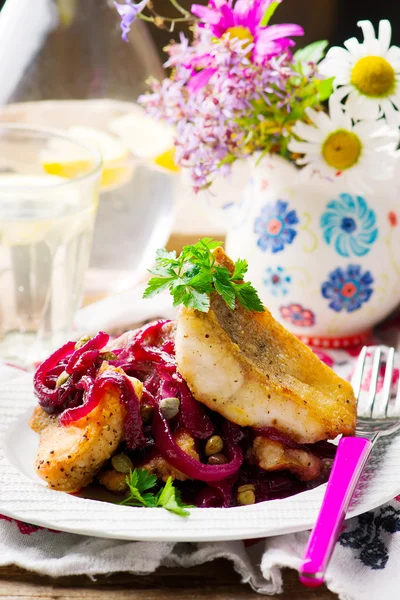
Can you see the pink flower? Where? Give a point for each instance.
(242, 19)
(298, 315)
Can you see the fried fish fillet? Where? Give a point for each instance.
(247, 367)
(69, 456)
(274, 456)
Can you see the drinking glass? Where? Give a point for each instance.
(137, 195)
(46, 227)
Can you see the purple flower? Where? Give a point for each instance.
(206, 106)
(242, 19)
(128, 13)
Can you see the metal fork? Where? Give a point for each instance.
(376, 417)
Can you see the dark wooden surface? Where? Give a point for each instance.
(214, 581)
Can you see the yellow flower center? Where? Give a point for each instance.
(373, 76)
(342, 149)
(241, 33)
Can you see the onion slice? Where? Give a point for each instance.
(180, 460)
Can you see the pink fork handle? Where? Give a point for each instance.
(351, 456)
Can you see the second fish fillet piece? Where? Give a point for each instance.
(250, 369)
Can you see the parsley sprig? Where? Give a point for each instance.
(141, 481)
(194, 275)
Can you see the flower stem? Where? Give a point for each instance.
(180, 9)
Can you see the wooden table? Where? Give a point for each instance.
(213, 581)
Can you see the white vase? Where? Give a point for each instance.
(326, 261)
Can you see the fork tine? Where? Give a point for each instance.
(388, 381)
(366, 405)
(395, 410)
(382, 400)
(356, 380)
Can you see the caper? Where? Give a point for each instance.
(214, 445)
(62, 378)
(169, 407)
(108, 356)
(146, 412)
(82, 341)
(246, 495)
(217, 459)
(122, 463)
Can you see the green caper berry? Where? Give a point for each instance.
(217, 459)
(62, 378)
(246, 495)
(108, 356)
(169, 407)
(82, 341)
(146, 412)
(122, 463)
(214, 445)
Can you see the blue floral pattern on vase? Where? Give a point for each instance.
(348, 288)
(349, 225)
(275, 226)
(277, 281)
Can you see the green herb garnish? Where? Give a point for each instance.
(141, 481)
(194, 275)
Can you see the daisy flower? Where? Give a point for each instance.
(241, 19)
(368, 73)
(335, 147)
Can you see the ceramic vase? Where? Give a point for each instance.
(326, 260)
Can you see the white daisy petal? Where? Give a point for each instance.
(301, 147)
(392, 115)
(393, 56)
(337, 114)
(308, 133)
(321, 120)
(367, 29)
(385, 35)
(338, 53)
(342, 92)
(361, 107)
(353, 46)
(395, 98)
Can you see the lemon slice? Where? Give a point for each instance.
(117, 164)
(146, 138)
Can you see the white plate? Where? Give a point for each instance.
(24, 496)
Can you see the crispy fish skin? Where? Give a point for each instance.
(247, 367)
(70, 456)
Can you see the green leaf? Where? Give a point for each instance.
(241, 268)
(199, 300)
(269, 13)
(163, 253)
(325, 89)
(140, 480)
(194, 276)
(312, 53)
(156, 285)
(224, 288)
(169, 499)
(248, 297)
(144, 480)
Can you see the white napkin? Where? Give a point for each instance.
(364, 565)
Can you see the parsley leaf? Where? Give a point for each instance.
(140, 481)
(169, 498)
(194, 275)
